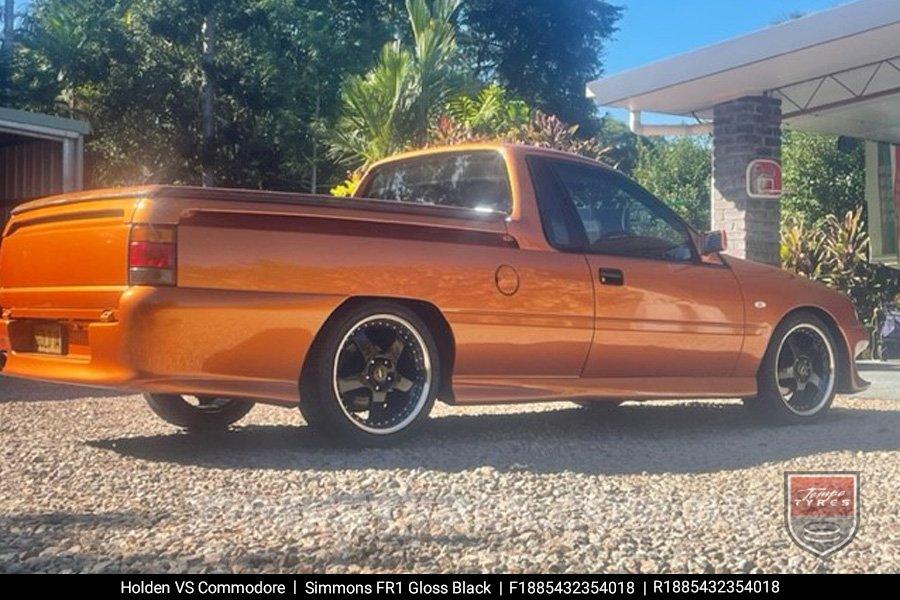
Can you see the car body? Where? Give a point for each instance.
(496, 251)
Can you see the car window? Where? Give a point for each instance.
(561, 226)
(475, 180)
(619, 217)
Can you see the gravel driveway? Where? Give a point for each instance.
(94, 482)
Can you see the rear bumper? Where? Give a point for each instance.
(183, 340)
(100, 368)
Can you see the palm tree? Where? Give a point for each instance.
(391, 106)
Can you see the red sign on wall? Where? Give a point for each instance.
(764, 178)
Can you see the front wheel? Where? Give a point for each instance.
(198, 413)
(797, 378)
(373, 375)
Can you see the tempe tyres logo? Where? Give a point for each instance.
(821, 509)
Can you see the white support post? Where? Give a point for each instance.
(70, 174)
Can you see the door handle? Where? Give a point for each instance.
(612, 277)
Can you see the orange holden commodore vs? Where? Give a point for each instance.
(473, 274)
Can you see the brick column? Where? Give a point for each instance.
(745, 129)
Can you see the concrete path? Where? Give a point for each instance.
(885, 378)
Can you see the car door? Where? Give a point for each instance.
(514, 312)
(660, 310)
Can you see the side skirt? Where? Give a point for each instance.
(482, 390)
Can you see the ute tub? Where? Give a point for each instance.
(187, 341)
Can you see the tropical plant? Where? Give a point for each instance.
(490, 111)
(347, 188)
(391, 107)
(541, 130)
(801, 249)
(845, 250)
(835, 252)
(548, 131)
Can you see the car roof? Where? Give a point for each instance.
(503, 147)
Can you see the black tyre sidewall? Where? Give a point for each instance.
(320, 405)
(174, 409)
(768, 405)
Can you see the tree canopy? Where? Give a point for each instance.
(135, 69)
(543, 51)
(252, 92)
(819, 178)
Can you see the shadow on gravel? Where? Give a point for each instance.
(48, 542)
(633, 439)
(27, 390)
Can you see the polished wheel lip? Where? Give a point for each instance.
(831, 366)
(426, 387)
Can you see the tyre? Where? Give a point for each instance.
(372, 376)
(797, 379)
(198, 413)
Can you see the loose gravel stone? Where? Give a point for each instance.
(93, 482)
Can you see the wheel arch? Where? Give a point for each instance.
(429, 313)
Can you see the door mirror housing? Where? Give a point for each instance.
(713, 242)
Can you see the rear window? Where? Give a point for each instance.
(475, 180)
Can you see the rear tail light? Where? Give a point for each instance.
(151, 255)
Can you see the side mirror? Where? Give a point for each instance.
(714, 241)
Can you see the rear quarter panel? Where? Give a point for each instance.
(45, 262)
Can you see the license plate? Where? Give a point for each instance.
(48, 338)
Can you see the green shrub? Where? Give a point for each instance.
(836, 253)
(677, 170)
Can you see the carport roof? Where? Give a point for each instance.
(22, 122)
(836, 71)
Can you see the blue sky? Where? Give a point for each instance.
(654, 29)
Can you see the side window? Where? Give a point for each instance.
(475, 180)
(561, 226)
(619, 217)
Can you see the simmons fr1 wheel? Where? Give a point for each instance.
(798, 375)
(373, 375)
(198, 412)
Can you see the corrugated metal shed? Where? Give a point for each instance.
(40, 155)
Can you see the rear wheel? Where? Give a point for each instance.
(198, 412)
(372, 377)
(797, 378)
